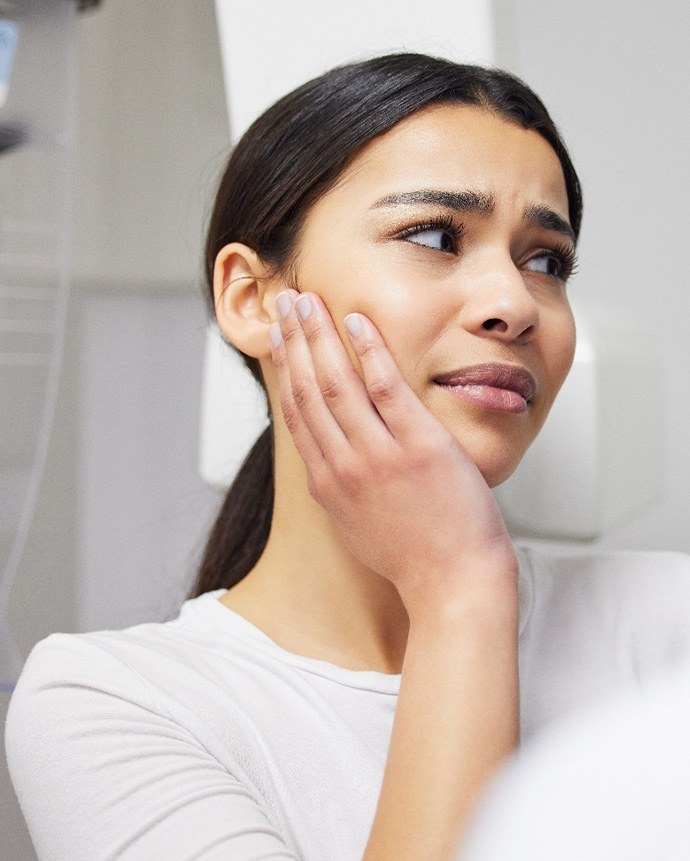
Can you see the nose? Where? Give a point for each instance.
(498, 304)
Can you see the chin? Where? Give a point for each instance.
(496, 458)
(496, 441)
(497, 475)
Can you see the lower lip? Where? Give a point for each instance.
(490, 398)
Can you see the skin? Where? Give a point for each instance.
(387, 550)
(430, 307)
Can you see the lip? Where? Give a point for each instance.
(496, 387)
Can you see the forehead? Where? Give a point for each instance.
(456, 147)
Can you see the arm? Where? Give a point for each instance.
(413, 507)
(456, 721)
(102, 770)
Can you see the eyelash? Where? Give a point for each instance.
(444, 223)
(566, 257)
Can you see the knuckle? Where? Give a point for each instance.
(301, 391)
(347, 475)
(366, 349)
(332, 387)
(320, 483)
(420, 459)
(381, 389)
(430, 451)
(290, 414)
(291, 332)
(315, 330)
(389, 462)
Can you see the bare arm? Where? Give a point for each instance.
(456, 721)
(414, 508)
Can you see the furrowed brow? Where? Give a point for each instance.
(460, 201)
(549, 220)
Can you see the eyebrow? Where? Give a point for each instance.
(476, 201)
(549, 220)
(461, 201)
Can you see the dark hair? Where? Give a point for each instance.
(286, 160)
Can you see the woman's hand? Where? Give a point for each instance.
(413, 507)
(410, 503)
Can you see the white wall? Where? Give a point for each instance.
(260, 64)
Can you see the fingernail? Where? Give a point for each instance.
(275, 335)
(353, 324)
(304, 307)
(283, 304)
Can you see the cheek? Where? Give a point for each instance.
(392, 300)
(568, 343)
(411, 329)
(561, 348)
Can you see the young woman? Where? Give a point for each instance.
(389, 250)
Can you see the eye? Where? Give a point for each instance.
(546, 263)
(557, 263)
(439, 234)
(438, 239)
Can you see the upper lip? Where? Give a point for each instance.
(511, 377)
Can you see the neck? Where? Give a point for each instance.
(310, 594)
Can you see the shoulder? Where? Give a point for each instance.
(69, 685)
(593, 623)
(109, 660)
(634, 602)
(114, 745)
(70, 680)
(77, 661)
(606, 563)
(658, 577)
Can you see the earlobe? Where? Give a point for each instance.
(242, 289)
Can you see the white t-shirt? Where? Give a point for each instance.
(200, 738)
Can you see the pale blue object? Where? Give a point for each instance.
(9, 34)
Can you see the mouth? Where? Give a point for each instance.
(495, 387)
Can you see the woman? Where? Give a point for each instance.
(389, 249)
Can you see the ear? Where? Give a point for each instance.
(244, 297)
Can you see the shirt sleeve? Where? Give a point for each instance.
(101, 771)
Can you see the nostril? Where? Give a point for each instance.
(495, 325)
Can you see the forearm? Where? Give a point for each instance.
(457, 719)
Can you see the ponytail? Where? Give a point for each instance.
(240, 532)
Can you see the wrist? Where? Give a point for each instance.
(478, 588)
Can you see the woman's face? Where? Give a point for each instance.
(451, 233)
